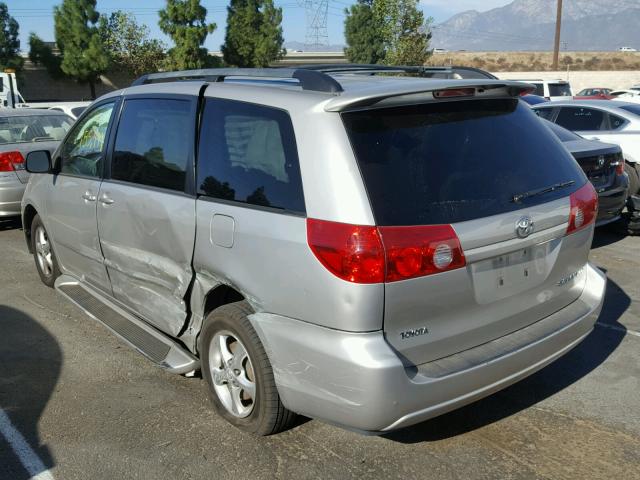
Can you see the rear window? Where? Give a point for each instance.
(450, 162)
(559, 90)
(562, 133)
(33, 128)
(635, 109)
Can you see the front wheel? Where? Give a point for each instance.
(45, 258)
(237, 370)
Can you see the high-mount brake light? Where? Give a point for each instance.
(368, 254)
(11, 161)
(454, 92)
(584, 208)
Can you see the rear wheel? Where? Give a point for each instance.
(45, 258)
(632, 170)
(237, 370)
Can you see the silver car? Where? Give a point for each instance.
(372, 251)
(22, 131)
(609, 121)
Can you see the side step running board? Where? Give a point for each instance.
(154, 345)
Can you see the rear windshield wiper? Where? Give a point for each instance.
(517, 198)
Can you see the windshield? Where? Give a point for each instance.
(559, 90)
(33, 128)
(441, 163)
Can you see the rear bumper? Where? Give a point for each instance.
(356, 380)
(11, 198)
(612, 201)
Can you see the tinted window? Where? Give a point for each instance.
(248, 154)
(545, 113)
(635, 109)
(616, 122)
(578, 118)
(539, 89)
(34, 128)
(153, 143)
(442, 163)
(83, 151)
(559, 90)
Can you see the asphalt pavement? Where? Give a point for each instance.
(85, 406)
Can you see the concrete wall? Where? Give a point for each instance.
(36, 84)
(616, 80)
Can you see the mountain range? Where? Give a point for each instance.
(598, 25)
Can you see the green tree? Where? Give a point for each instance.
(365, 43)
(129, 45)
(405, 32)
(83, 55)
(185, 22)
(254, 33)
(42, 54)
(9, 43)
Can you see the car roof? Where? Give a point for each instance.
(357, 89)
(27, 112)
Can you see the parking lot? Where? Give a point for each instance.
(90, 407)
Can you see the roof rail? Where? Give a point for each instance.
(421, 71)
(371, 69)
(308, 79)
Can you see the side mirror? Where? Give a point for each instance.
(39, 161)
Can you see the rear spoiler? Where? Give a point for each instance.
(380, 95)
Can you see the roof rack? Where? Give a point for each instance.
(452, 71)
(372, 69)
(308, 79)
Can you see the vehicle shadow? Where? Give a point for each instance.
(608, 234)
(570, 368)
(10, 223)
(30, 360)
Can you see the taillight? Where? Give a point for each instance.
(419, 251)
(619, 164)
(584, 208)
(351, 252)
(367, 254)
(10, 161)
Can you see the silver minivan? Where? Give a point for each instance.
(368, 250)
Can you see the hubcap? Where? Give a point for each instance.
(43, 252)
(232, 373)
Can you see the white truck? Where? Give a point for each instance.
(9, 95)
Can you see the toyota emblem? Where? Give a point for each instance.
(524, 227)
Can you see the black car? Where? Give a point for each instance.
(604, 165)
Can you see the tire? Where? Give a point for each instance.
(226, 332)
(43, 254)
(634, 177)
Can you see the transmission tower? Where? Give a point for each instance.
(317, 35)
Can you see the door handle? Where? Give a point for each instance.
(89, 197)
(106, 200)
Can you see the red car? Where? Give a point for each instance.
(594, 94)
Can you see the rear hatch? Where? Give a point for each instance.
(467, 164)
(598, 161)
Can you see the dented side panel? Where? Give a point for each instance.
(147, 238)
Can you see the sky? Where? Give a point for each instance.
(36, 16)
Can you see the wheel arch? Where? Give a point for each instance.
(28, 215)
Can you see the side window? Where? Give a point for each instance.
(539, 89)
(248, 154)
(578, 118)
(153, 143)
(616, 122)
(545, 113)
(82, 153)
